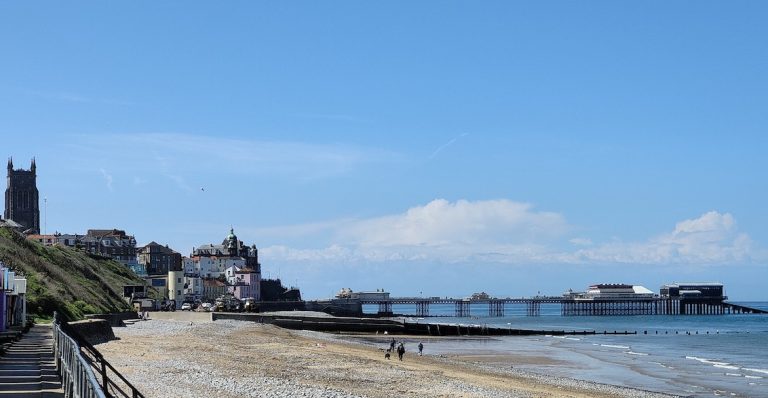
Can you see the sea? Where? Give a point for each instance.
(687, 355)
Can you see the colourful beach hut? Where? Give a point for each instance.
(13, 303)
(3, 306)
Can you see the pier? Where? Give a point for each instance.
(497, 307)
(462, 307)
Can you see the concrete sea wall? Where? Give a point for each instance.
(94, 331)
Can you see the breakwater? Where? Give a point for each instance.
(393, 326)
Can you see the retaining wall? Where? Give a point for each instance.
(115, 319)
(94, 331)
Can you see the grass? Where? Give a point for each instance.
(65, 279)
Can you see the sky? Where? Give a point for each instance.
(433, 148)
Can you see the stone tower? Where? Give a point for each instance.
(21, 197)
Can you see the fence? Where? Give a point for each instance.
(77, 376)
(78, 362)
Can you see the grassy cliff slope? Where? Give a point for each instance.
(64, 279)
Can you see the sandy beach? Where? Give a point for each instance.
(234, 359)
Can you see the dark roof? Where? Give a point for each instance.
(106, 232)
(156, 247)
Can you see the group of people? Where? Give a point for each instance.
(401, 349)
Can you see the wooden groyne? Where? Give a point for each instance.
(391, 326)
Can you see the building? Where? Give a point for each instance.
(157, 259)
(244, 283)
(45, 240)
(703, 290)
(213, 289)
(231, 247)
(347, 293)
(610, 291)
(56, 239)
(210, 266)
(21, 197)
(114, 243)
(213, 270)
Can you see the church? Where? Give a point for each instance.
(21, 199)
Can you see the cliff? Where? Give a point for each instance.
(65, 279)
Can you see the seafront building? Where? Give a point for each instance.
(113, 243)
(213, 270)
(244, 283)
(210, 271)
(156, 259)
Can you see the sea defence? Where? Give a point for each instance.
(94, 331)
(303, 321)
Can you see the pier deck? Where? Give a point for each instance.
(571, 307)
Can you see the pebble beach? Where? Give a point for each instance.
(165, 358)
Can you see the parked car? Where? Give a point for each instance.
(207, 307)
(168, 305)
(186, 306)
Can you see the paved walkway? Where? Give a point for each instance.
(28, 369)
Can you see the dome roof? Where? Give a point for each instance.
(231, 240)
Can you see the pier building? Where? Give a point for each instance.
(694, 298)
(610, 299)
(347, 293)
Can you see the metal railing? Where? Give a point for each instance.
(77, 376)
(78, 363)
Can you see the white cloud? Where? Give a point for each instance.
(462, 223)
(711, 238)
(446, 145)
(107, 179)
(440, 231)
(581, 241)
(503, 231)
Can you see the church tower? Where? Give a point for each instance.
(21, 197)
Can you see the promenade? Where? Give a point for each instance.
(28, 368)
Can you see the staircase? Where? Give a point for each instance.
(28, 367)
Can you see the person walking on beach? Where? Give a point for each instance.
(400, 351)
(392, 345)
(421, 348)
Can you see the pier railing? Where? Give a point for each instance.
(571, 306)
(85, 373)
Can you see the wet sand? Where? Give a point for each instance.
(235, 359)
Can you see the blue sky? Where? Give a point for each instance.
(435, 148)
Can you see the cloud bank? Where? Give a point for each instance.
(709, 239)
(504, 231)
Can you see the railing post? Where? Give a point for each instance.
(105, 380)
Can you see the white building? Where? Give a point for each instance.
(211, 267)
(611, 291)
